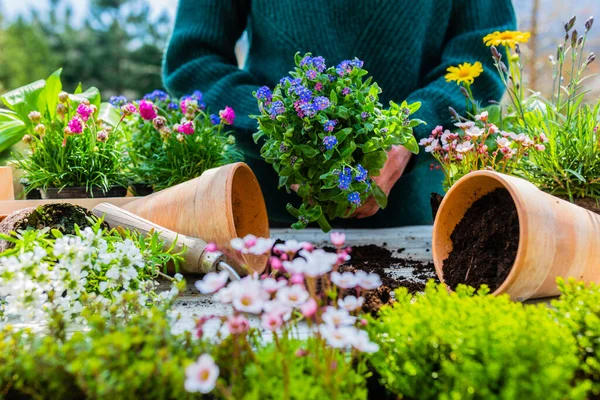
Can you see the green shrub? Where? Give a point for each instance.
(468, 345)
(578, 310)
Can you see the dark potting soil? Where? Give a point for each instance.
(484, 243)
(435, 201)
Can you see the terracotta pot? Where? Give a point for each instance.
(222, 204)
(82, 193)
(556, 238)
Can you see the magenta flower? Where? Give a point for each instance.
(76, 125)
(147, 110)
(84, 111)
(129, 109)
(227, 115)
(186, 128)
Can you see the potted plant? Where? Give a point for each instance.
(327, 135)
(73, 151)
(171, 141)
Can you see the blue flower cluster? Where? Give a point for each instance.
(157, 95)
(215, 119)
(329, 142)
(354, 198)
(365, 115)
(345, 179)
(264, 94)
(277, 108)
(329, 125)
(317, 63)
(311, 74)
(173, 106)
(346, 66)
(346, 91)
(321, 102)
(308, 109)
(361, 173)
(118, 101)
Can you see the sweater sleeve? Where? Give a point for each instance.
(471, 21)
(201, 56)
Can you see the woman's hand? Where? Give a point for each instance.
(398, 158)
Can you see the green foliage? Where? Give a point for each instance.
(578, 311)
(468, 345)
(333, 378)
(162, 157)
(323, 124)
(60, 157)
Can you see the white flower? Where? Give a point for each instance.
(464, 147)
(465, 125)
(482, 117)
(425, 141)
(249, 296)
(290, 246)
(503, 142)
(212, 282)
(368, 281)
(201, 377)
(262, 246)
(338, 337)
(345, 280)
(337, 317)
(102, 286)
(226, 294)
(271, 285)
(293, 296)
(271, 321)
(318, 262)
(250, 244)
(351, 303)
(363, 344)
(474, 132)
(278, 307)
(432, 147)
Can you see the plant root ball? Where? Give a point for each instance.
(61, 216)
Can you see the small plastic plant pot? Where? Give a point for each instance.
(220, 205)
(556, 238)
(82, 193)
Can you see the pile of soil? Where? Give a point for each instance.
(484, 243)
(373, 258)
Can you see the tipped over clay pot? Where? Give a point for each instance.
(222, 204)
(556, 238)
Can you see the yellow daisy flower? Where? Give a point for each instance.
(465, 72)
(506, 38)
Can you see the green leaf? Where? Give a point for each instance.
(49, 97)
(78, 89)
(577, 175)
(374, 160)
(292, 210)
(313, 213)
(92, 95)
(371, 145)
(11, 132)
(379, 195)
(308, 151)
(411, 145)
(24, 99)
(343, 134)
(333, 97)
(109, 114)
(349, 149)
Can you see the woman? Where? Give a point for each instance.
(406, 46)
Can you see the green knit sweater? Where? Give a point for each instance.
(405, 45)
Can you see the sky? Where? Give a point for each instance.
(12, 8)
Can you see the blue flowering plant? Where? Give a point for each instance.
(327, 135)
(173, 140)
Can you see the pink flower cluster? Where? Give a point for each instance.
(227, 115)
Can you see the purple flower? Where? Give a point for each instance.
(277, 108)
(214, 119)
(157, 95)
(345, 179)
(354, 198)
(227, 115)
(197, 95)
(357, 63)
(84, 111)
(75, 125)
(147, 110)
(365, 115)
(172, 106)
(117, 101)
(305, 61)
(329, 125)
(330, 142)
(311, 74)
(321, 102)
(187, 128)
(285, 80)
(346, 91)
(318, 86)
(319, 63)
(264, 93)
(303, 93)
(331, 78)
(308, 109)
(361, 173)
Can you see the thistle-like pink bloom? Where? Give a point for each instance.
(76, 125)
(147, 110)
(129, 109)
(186, 128)
(227, 115)
(84, 111)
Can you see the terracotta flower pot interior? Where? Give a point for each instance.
(222, 204)
(556, 238)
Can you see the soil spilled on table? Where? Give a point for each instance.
(377, 259)
(484, 243)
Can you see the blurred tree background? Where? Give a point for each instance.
(117, 45)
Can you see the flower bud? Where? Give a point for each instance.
(86, 102)
(496, 54)
(552, 60)
(40, 129)
(580, 41)
(159, 122)
(35, 116)
(454, 113)
(569, 25)
(180, 138)
(102, 136)
(165, 132)
(61, 109)
(514, 58)
(517, 49)
(68, 131)
(27, 139)
(503, 67)
(589, 23)
(590, 59)
(574, 38)
(63, 97)
(464, 92)
(559, 51)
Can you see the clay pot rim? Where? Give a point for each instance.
(94, 189)
(521, 214)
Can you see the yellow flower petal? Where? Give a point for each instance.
(506, 38)
(465, 72)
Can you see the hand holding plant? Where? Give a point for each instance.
(327, 133)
